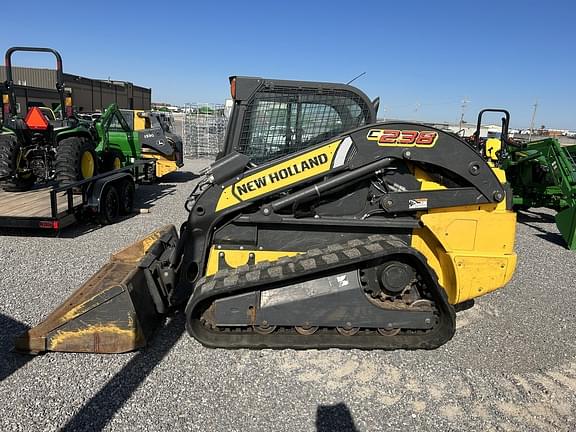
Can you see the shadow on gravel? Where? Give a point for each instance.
(334, 418)
(147, 195)
(10, 362)
(554, 238)
(179, 177)
(98, 411)
(534, 216)
(530, 218)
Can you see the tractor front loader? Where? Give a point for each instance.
(34, 148)
(317, 227)
(543, 174)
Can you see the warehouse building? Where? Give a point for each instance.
(37, 87)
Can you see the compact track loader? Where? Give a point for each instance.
(317, 227)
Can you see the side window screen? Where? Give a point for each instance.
(319, 120)
(269, 132)
(282, 121)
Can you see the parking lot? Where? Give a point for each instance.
(511, 365)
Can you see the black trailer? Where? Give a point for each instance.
(106, 197)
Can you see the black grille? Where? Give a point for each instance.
(284, 120)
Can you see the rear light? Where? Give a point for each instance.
(233, 88)
(36, 120)
(68, 104)
(51, 224)
(5, 104)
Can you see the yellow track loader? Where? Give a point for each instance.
(317, 227)
(157, 140)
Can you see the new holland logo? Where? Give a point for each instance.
(281, 174)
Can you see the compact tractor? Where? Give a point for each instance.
(540, 173)
(35, 148)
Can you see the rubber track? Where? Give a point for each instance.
(313, 264)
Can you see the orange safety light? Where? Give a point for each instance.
(5, 104)
(233, 88)
(36, 120)
(68, 105)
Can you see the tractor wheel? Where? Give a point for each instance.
(127, 190)
(75, 160)
(111, 161)
(109, 205)
(16, 182)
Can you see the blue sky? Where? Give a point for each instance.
(421, 57)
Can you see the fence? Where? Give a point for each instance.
(203, 130)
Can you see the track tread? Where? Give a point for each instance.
(314, 263)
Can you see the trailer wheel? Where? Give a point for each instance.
(16, 182)
(127, 190)
(75, 160)
(109, 205)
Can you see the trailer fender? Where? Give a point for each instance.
(96, 189)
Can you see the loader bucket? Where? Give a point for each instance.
(116, 310)
(566, 223)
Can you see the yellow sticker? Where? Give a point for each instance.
(279, 176)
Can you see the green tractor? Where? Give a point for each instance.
(126, 135)
(118, 145)
(38, 149)
(541, 173)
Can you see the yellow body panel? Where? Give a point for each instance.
(471, 248)
(236, 258)
(471, 251)
(280, 175)
(163, 164)
(139, 122)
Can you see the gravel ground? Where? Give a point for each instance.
(511, 365)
